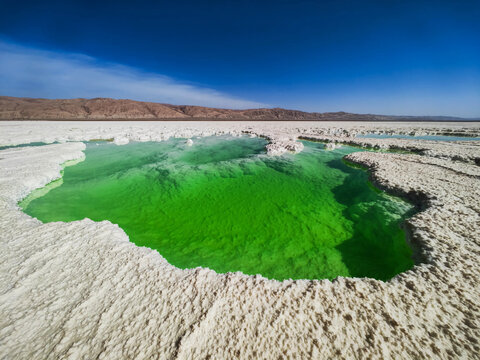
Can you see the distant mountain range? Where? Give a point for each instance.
(14, 108)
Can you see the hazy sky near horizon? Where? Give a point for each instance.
(386, 57)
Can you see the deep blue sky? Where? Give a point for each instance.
(396, 57)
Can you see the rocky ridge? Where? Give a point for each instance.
(13, 108)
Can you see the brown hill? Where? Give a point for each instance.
(13, 108)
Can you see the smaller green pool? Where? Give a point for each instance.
(224, 204)
(420, 137)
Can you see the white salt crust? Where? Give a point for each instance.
(81, 290)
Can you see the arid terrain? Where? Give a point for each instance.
(82, 290)
(12, 108)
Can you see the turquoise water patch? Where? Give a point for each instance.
(25, 145)
(420, 137)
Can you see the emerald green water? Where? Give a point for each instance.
(224, 204)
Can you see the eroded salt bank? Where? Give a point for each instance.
(82, 290)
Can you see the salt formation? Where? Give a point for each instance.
(189, 142)
(276, 148)
(331, 146)
(121, 140)
(82, 290)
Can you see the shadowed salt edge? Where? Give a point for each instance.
(426, 312)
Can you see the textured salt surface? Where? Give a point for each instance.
(82, 290)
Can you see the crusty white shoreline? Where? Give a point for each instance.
(82, 290)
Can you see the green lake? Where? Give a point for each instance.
(224, 204)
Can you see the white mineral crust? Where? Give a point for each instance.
(331, 146)
(123, 140)
(81, 290)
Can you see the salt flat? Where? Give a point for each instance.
(82, 290)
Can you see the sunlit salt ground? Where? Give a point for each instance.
(224, 204)
(420, 137)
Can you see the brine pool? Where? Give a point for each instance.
(224, 204)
